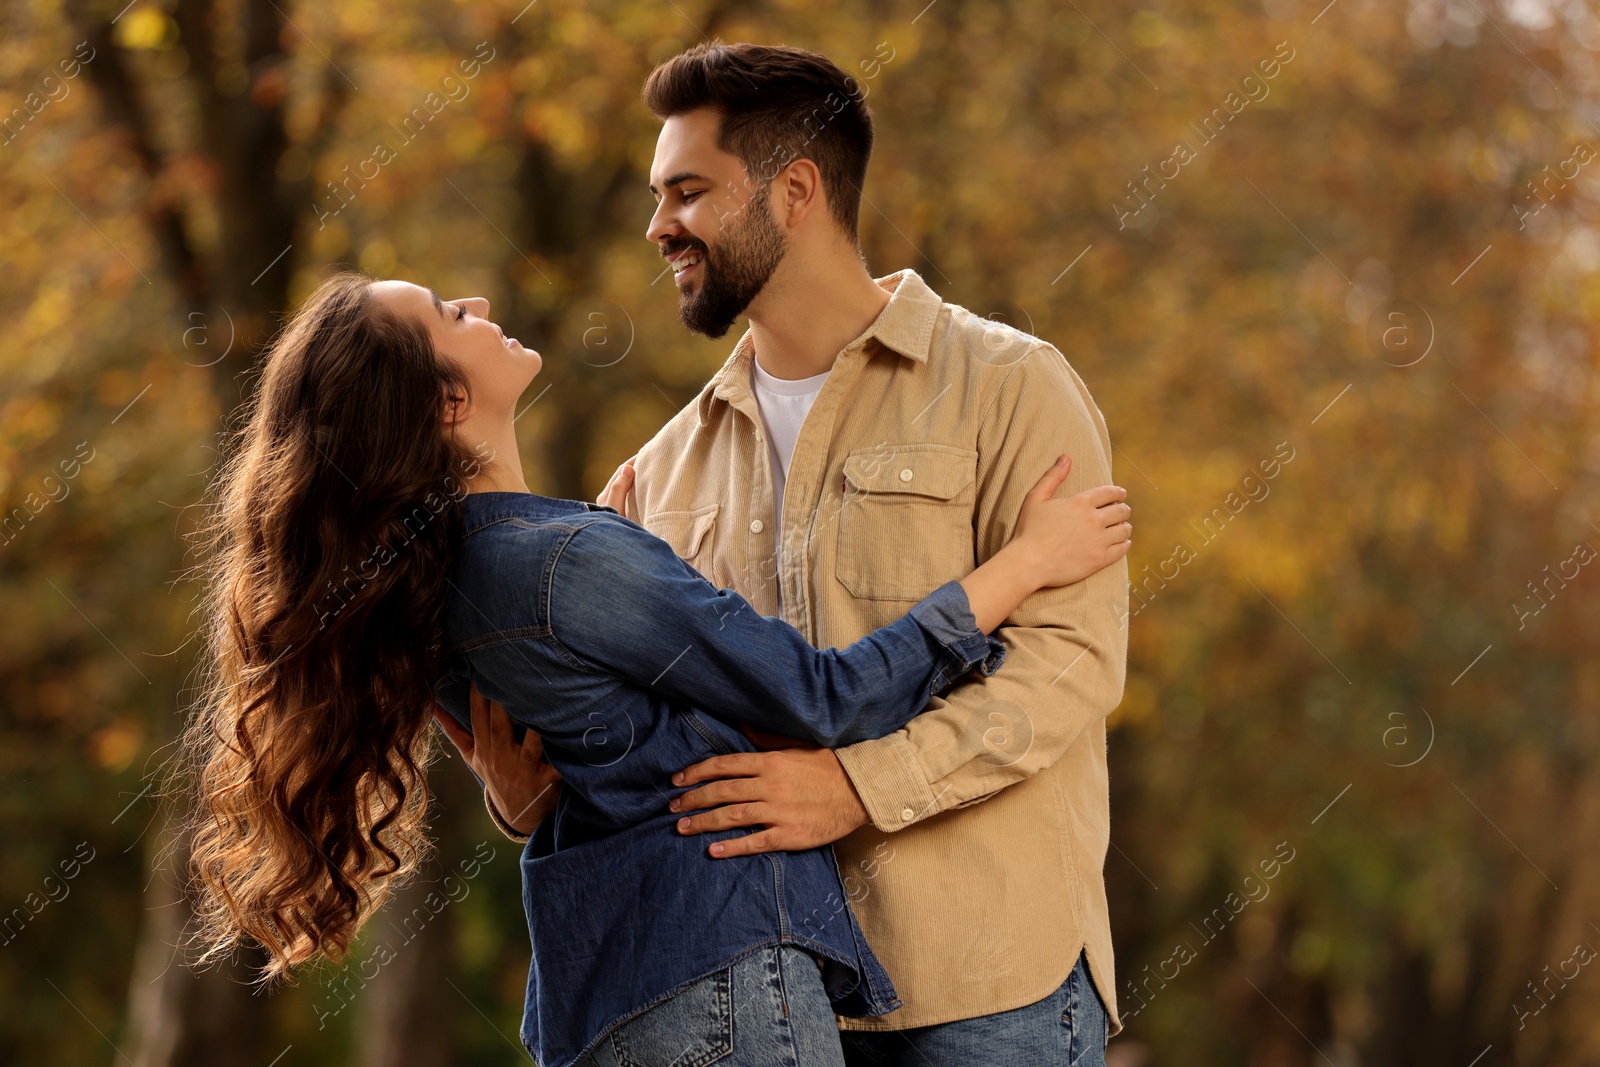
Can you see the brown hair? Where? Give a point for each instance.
(778, 104)
(329, 554)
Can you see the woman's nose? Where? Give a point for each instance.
(478, 306)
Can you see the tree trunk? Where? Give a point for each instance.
(229, 296)
(177, 1017)
(408, 1012)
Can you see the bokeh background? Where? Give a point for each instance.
(1378, 260)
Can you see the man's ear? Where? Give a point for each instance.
(797, 191)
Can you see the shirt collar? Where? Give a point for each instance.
(905, 325)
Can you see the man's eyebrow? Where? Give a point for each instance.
(678, 179)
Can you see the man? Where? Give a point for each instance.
(864, 443)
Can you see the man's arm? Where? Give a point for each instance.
(1066, 648)
(1066, 656)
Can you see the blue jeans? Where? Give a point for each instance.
(767, 1010)
(1065, 1029)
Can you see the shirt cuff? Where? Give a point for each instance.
(889, 782)
(946, 615)
(500, 821)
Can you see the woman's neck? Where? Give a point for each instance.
(496, 479)
(500, 469)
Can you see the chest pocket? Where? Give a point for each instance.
(905, 527)
(690, 534)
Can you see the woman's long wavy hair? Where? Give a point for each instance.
(328, 560)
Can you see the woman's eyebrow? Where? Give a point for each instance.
(438, 305)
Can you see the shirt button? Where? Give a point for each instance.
(756, 526)
(906, 814)
(905, 475)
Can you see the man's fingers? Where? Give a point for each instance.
(533, 752)
(500, 735)
(735, 765)
(726, 818)
(722, 791)
(462, 739)
(478, 705)
(749, 845)
(532, 747)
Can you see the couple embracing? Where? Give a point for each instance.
(812, 701)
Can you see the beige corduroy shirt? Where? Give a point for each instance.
(980, 877)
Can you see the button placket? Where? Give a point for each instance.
(757, 476)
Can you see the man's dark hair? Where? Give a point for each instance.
(778, 104)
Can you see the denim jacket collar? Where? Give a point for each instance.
(486, 509)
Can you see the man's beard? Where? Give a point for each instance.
(735, 272)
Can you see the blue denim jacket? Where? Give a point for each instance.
(631, 666)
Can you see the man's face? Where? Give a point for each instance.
(715, 229)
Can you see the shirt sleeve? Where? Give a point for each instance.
(621, 601)
(1066, 647)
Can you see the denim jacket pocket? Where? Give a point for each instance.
(689, 534)
(690, 1029)
(906, 525)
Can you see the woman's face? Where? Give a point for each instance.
(497, 367)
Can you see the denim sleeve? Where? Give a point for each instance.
(623, 602)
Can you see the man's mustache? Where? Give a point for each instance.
(673, 248)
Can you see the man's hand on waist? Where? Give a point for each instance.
(798, 793)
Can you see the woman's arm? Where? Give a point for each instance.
(623, 602)
(1056, 542)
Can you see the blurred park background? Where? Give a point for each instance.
(1375, 255)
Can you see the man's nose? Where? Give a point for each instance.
(662, 226)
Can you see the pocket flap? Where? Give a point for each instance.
(684, 530)
(937, 471)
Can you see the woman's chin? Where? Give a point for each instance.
(531, 371)
(528, 355)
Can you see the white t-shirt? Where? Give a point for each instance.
(784, 405)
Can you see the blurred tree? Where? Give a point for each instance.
(231, 82)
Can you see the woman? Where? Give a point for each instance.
(375, 547)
